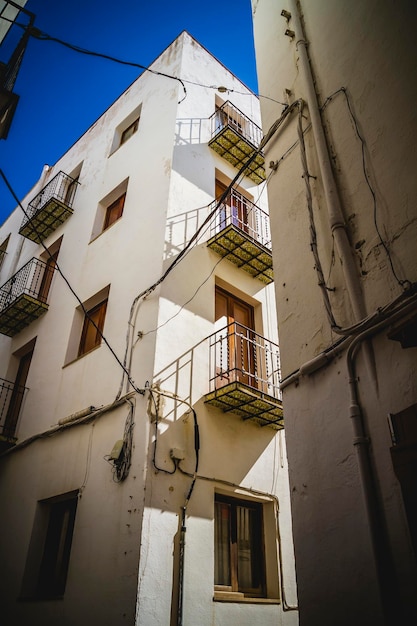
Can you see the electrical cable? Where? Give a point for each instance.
(121, 466)
(256, 492)
(153, 330)
(57, 267)
(154, 463)
(36, 33)
(402, 283)
(313, 233)
(183, 518)
(64, 425)
(216, 205)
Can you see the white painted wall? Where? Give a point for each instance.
(367, 48)
(124, 556)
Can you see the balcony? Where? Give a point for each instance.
(240, 232)
(235, 137)
(49, 208)
(23, 296)
(244, 375)
(11, 399)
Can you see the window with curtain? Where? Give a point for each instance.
(239, 552)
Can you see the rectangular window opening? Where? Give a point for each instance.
(129, 131)
(114, 211)
(93, 325)
(48, 559)
(239, 547)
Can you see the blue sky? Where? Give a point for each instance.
(62, 92)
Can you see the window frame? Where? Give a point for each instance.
(129, 131)
(54, 565)
(49, 554)
(114, 211)
(97, 326)
(236, 587)
(126, 129)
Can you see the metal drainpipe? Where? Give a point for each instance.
(383, 560)
(336, 218)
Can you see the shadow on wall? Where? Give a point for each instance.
(192, 156)
(229, 446)
(180, 228)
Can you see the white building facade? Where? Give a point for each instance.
(144, 474)
(343, 198)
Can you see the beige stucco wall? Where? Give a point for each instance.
(369, 49)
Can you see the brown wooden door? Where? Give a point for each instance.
(17, 395)
(239, 362)
(234, 209)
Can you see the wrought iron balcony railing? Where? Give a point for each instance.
(240, 232)
(11, 399)
(49, 208)
(23, 297)
(236, 137)
(244, 375)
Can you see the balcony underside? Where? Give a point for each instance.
(237, 150)
(243, 251)
(46, 220)
(20, 313)
(249, 403)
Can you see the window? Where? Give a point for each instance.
(50, 547)
(24, 357)
(129, 131)
(114, 211)
(92, 328)
(3, 248)
(124, 131)
(238, 547)
(110, 209)
(50, 259)
(234, 209)
(84, 336)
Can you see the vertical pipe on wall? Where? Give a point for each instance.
(336, 217)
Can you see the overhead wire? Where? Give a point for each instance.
(313, 233)
(153, 330)
(36, 33)
(72, 290)
(405, 284)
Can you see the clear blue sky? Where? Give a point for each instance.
(63, 92)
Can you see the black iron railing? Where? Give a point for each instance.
(239, 354)
(61, 188)
(240, 212)
(11, 399)
(230, 116)
(30, 280)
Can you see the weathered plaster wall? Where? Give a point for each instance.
(369, 49)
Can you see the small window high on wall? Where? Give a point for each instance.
(126, 129)
(114, 211)
(93, 325)
(88, 326)
(110, 209)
